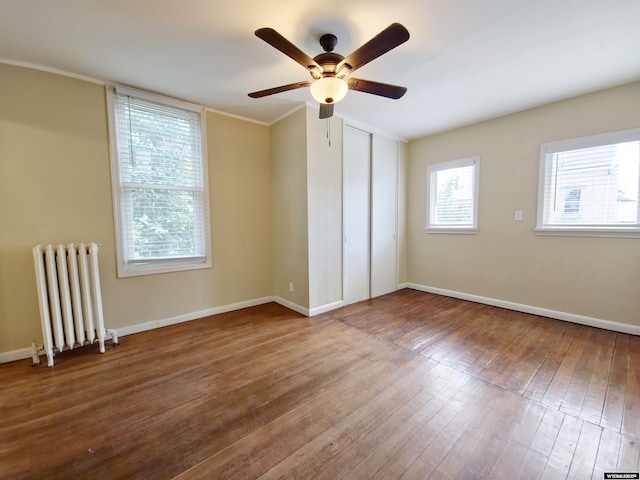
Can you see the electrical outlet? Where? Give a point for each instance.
(291, 286)
(518, 215)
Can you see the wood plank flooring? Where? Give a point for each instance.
(405, 386)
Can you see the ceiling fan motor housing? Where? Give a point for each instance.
(328, 61)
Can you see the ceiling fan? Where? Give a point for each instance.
(330, 70)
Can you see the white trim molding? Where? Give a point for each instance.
(543, 312)
(23, 353)
(13, 355)
(55, 71)
(292, 306)
(308, 312)
(325, 308)
(187, 317)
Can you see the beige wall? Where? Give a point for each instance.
(324, 193)
(403, 169)
(55, 188)
(289, 215)
(275, 195)
(594, 277)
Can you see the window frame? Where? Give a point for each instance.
(582, 230)
(432, 168)
(165, 265)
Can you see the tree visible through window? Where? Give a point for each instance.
(159, 184)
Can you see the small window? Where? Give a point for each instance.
(453, 196)
(589, 186)
(159, 183)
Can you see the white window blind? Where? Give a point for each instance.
(591, 184)
(159, 184)
(453, 188)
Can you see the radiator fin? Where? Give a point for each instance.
(69, 295)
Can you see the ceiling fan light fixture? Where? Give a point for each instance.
(329, 90)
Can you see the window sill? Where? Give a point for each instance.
(452, 230)
(152, 268)
(589, 232)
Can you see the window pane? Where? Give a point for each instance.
(593, 186)
(454, 196)
(163, 223)
(452, 206)
(159, 184)
(159, 145)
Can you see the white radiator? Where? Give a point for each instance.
(68, 282)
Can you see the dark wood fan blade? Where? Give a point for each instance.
(326, 110)
(277, 41)
(283, 88)
(388, 39)
(376, 88)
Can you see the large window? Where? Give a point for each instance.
(159, 183)
(589, 185)
(453, 196)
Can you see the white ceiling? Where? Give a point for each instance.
(466, 60)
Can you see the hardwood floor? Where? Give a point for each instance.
(405, 386)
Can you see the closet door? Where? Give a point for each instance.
(356, 220)
(384, 216)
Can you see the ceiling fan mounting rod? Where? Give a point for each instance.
(328, 42)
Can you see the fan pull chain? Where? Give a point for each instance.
(329, 130)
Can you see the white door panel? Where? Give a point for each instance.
(356, 178)
(384, 215)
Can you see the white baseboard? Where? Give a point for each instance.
(292, 306)
(142, 327)
(543, 312)
(14, 355)
(187, 317)
(306, 311)
(23, 353)
(326, 308)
